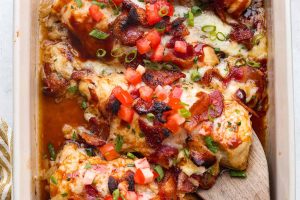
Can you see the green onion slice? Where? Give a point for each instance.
(208, 28)
(160, 27)
(238, 174)
(213, 36)
(84, 105)
(88, 166)
(160, 172)
(185, 113)
(254, 64)
(211, 145)
(191, 19)
(164, 11)
(221, 36)
(51, 152)
(100, 53)
(116, 194)
(131, 56)
(79, 3)
(116, 52)
(98, 34)
(195, 76)
(131, 155)
(53, 180)
(119, 143)
(73, 89)
(186, 152)
(100, 4)
(256, 39)
(89, 152)
(196, 10)
(150, 116)
(240, 62)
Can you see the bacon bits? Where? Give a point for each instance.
(242, 34)
(162, 155)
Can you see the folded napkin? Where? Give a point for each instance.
(5, 161)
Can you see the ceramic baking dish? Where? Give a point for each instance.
(280, 141)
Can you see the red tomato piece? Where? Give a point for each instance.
(154, 37)
(108, 197)
(158, 53)
(132, 76)
(143, 176)
(109, 152)
(180, 47)
(131, 195)
(161, 93)
(152, 14)
(95, 13)
(126, 114)
(175, 103)
(174, 122)
(118, 2)
(142, 163)
(161, 4)
(146, 93)
(176, 93)
(123, 96)
(143, 46)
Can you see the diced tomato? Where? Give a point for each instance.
(95, 13)
(140, 69)
(154, 37)
(123, 96)
(126, 114)
(152, 14)
(165, 4)
(143, 46)
(143, 176)
(174, 122)
(131, 195)
(108, 197)
(132, 76)
(158, 53)
(146, 93)
(175, 103)
(109, 152)
(161, 93)
(118, 2)
(142, 163)
(180, 46)
(176, 93)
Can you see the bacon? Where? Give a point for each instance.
(154, 134)
(209, 74)
(54, 85)
(207, 107)
(136, 14)
(153, 78)
(112, 184)
(242, 34)
(162, 155)
(129, 178)
(78, 75)
(142, 107)
(167, 187)
(206, 180)
(186, 184)
(99, 127)
(91, 193)
(91, 139)
(177, 28)
(182, 63)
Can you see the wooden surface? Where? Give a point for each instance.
(254, 187)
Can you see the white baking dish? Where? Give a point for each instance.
(280, 143)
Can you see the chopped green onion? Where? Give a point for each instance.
(89, 152)
(131, 56)
(74, 136)
(190, 19)
(160, 27)
(221, 36)
(240, 62)
(51, 152)
(254, 64)
(186, 152)
(65, 194)
(184, 104)
(257, 38)
(79, 3)
(238, 174)
(151, 65)
(116, 9)
(196, 60)
(195, 76)
(196, 10)
(84, 105)
(163, 11)
(116, 194)
(208, 28)
(73, 89)
(119, 143)
(100, 4)
(98, 34)
(53, 180)
(141, 0)
(100, 53)
(217, 50)
(239, 123)
(150, 116)
(88, 166)
(211, 145)
(131, 155)
(116, 52)
(213, 36)
(130, 165)
(185, 113)
(160, 172)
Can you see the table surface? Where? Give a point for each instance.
(6, 69)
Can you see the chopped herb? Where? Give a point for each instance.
(51, 152)
(142, 134)
(131, 155)
(119, 143)
(160, 27)
(184, 104)
(196, 10)
(186, 152)
(98, 34)
(185, 113)
(100, 4)
(160, 172)
(150, 116)
(88, 166)
(219, 124)
(89, 152)
(238, 174)
(141, 0)
(195, 76)
(115, 8)
(229, 123)
(237, 111)
(79, 3)
(190, 19)
(254, 64)
(240, 62)
(73, 89)
(84, 105)
(65, 194)
(100, 53)
(221, 36)
(118, 52)
(217, 50)
(196, 60)
(208, 28)
(116, 194)
(53, 180)
(211, 145)
(74, 136)
(256, 39)
(239, 123)
(128, 126)
(130, 56)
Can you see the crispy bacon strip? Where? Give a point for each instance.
(153, 78)
(182, 63)
(168, 188)
(205, 180)
(242, 34)
(186, 184)
(162, 155)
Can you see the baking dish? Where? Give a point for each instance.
(280, 138)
